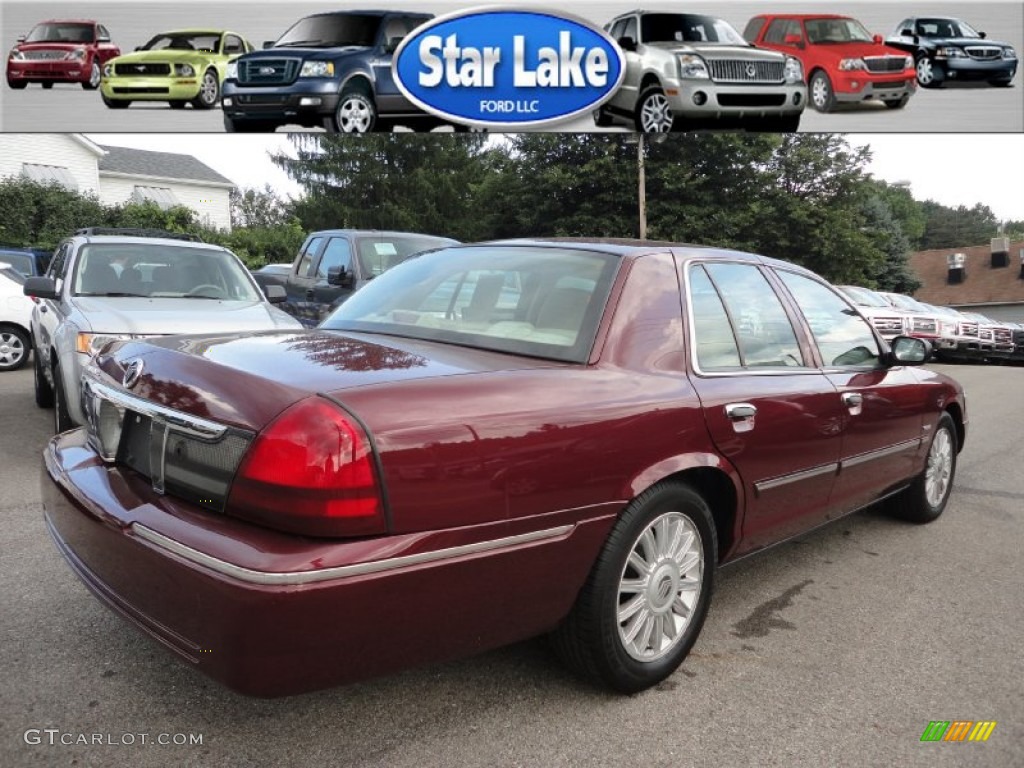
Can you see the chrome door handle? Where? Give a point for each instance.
(741, 415)
(854, 401)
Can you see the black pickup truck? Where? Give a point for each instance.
(332, 264)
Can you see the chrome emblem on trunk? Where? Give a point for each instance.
(132, 372)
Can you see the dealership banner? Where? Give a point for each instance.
(827, 66)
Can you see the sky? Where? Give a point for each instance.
(952, 169)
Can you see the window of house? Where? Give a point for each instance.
(162, 196)
(49, 174)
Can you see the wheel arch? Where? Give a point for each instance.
(19, 327)
(956, 412)
(649, 79)
(715, 480)
(359, 79)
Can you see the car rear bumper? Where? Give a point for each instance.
(269, 614)
(38, 71)
(150, 88)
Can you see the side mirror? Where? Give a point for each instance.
(139, 48)
(340, 276)
(627, 43)
(40, 288)
(877, 39)
(983, 35)
(268, 44)
(392, 44)
(21, 39)
(907, 350)
(275, 294)
(796, 40)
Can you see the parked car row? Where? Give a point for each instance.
(490, 441)
(334, 69)
(955, 335)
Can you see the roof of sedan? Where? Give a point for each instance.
(624, 246)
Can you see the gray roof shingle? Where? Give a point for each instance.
(167, 165)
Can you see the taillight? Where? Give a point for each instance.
(310, 471)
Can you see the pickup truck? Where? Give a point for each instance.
(332, 264)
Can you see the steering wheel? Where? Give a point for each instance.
(221, 294)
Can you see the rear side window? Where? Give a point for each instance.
(305, 268)
(714, 337)
(843, 337)
(765, 335)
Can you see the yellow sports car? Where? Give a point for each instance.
(183, 67)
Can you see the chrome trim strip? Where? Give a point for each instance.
(193, 425)
(881, 453)
(806, 474)
(289, 578)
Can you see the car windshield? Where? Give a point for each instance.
(378, 254)
(18, 262)
(184, 41)
(330, 30)
(832, 31)
(60, 32)
(12, 274)
(524, 299)
(161, 271)
(945, 28)
(687, 28)
(864, 297)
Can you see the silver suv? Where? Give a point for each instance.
(107, 284)
(683, 67)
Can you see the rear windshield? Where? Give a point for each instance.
(16, 261)
(528, 300)
(161, 271)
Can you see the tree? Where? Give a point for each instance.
(420, 183)
(956, 227)
(253, 207)
(886, 234)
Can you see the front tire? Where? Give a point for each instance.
(653, 112)
(178, 104)
(47, 86)
(14, 348)
(209, 91)
(778, 124)
(61, 418)
(602, 117)
(43, 390)
(248, 126)
(115, 103)
(647, 595)
(929, 74)
(823, 97)
(926, 498)
(1001, 83)
(94, 78)
(356, 113)
(17, 85)
(899, 103)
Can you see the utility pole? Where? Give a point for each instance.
(642, 192)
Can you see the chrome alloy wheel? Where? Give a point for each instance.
(656, 114)
(354, 114)
(660, 586)
(925, 71)
(819, 93)
(95, 76)
(939, 471)
(210, 89)
(12, 350)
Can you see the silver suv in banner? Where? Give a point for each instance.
(685, 69)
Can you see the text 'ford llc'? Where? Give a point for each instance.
(567, 66)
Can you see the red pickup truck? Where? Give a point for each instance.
(842, 61)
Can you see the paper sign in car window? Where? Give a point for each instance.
(385, 249)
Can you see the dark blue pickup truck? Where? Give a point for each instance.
(329, 70)
(332, 264)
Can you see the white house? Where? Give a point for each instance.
(117, 174)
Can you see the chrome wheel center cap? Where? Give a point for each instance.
(663, 587)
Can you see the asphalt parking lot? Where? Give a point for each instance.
(837, 648)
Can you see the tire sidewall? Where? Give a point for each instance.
(635, 674)
(648, 92)
(829, 102)
(357, 94)
(199, 100)
(26, 349)
(945, 423)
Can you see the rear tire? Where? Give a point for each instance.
(780, 124)
(248, 126)
(925, 499)
(61, 418)
(14, 348)
(647, 595)
(178, 104)
(47, 86)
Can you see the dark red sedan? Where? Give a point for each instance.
(488, 443)
(61, 51)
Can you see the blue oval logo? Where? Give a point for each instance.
(508, 68)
